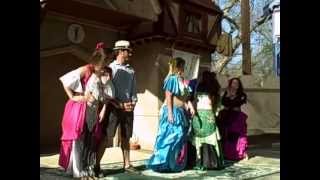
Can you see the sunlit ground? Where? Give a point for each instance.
(263, 164)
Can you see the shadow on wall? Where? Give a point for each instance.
(151, 68)
(53, 98)
(263, 105)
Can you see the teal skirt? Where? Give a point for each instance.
(170, 149)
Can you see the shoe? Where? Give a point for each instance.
(246, 157)
(97, 172)
(131, 169)
(201, 168)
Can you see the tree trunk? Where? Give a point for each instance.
(220, 65)
(245, 37)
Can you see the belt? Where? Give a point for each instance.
(78, 94)
(234, 108)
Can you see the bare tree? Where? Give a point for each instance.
(231, 9)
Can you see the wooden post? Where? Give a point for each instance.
(245, 37)
(43, 10)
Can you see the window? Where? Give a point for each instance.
(193, 23)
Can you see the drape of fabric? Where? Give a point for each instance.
(83, 155)
(74, 114)
(170, 149)
(233, 128)
(100, 92)
(206, 137)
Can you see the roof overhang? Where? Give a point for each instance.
(103, 15)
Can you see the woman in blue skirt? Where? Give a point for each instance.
(170, 149)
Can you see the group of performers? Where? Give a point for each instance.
(197, 127)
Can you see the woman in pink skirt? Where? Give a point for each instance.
(232, 122)
(74, 153)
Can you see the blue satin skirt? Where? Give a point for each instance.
(170, 150)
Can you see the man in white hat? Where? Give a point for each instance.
(124, 81)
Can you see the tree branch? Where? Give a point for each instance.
(229, 6)
(264, 35)
(258, 23)
(226, 60)
(231, 21)
(220, 65)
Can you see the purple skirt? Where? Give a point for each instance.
(233, 129)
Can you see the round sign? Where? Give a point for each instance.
(76, 33)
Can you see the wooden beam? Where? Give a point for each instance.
(43, 10)
(172, 18)
(245, 37)
(90, 23)
(80, 52)
(215, 29)
(86, 10)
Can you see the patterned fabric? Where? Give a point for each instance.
(206, 136)
(203, 123)
(100, 92)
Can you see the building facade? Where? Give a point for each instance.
(70, 29)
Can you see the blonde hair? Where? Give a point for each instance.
(175, 64)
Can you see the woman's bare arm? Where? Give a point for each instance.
(71, 94)
(191, 108)
(169, 100)
(102, 113)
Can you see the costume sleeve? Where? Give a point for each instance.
(171, 84)
(72, 80)
(242, 99)
(134, 96)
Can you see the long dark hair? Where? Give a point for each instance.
(210, 84)
(240, 88)
(108, 70)
(180, 62)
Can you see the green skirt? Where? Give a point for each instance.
(205, 132)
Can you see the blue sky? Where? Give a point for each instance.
(255, 43)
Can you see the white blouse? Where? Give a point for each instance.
(99, 90)
(204, 102)
(72, 80)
